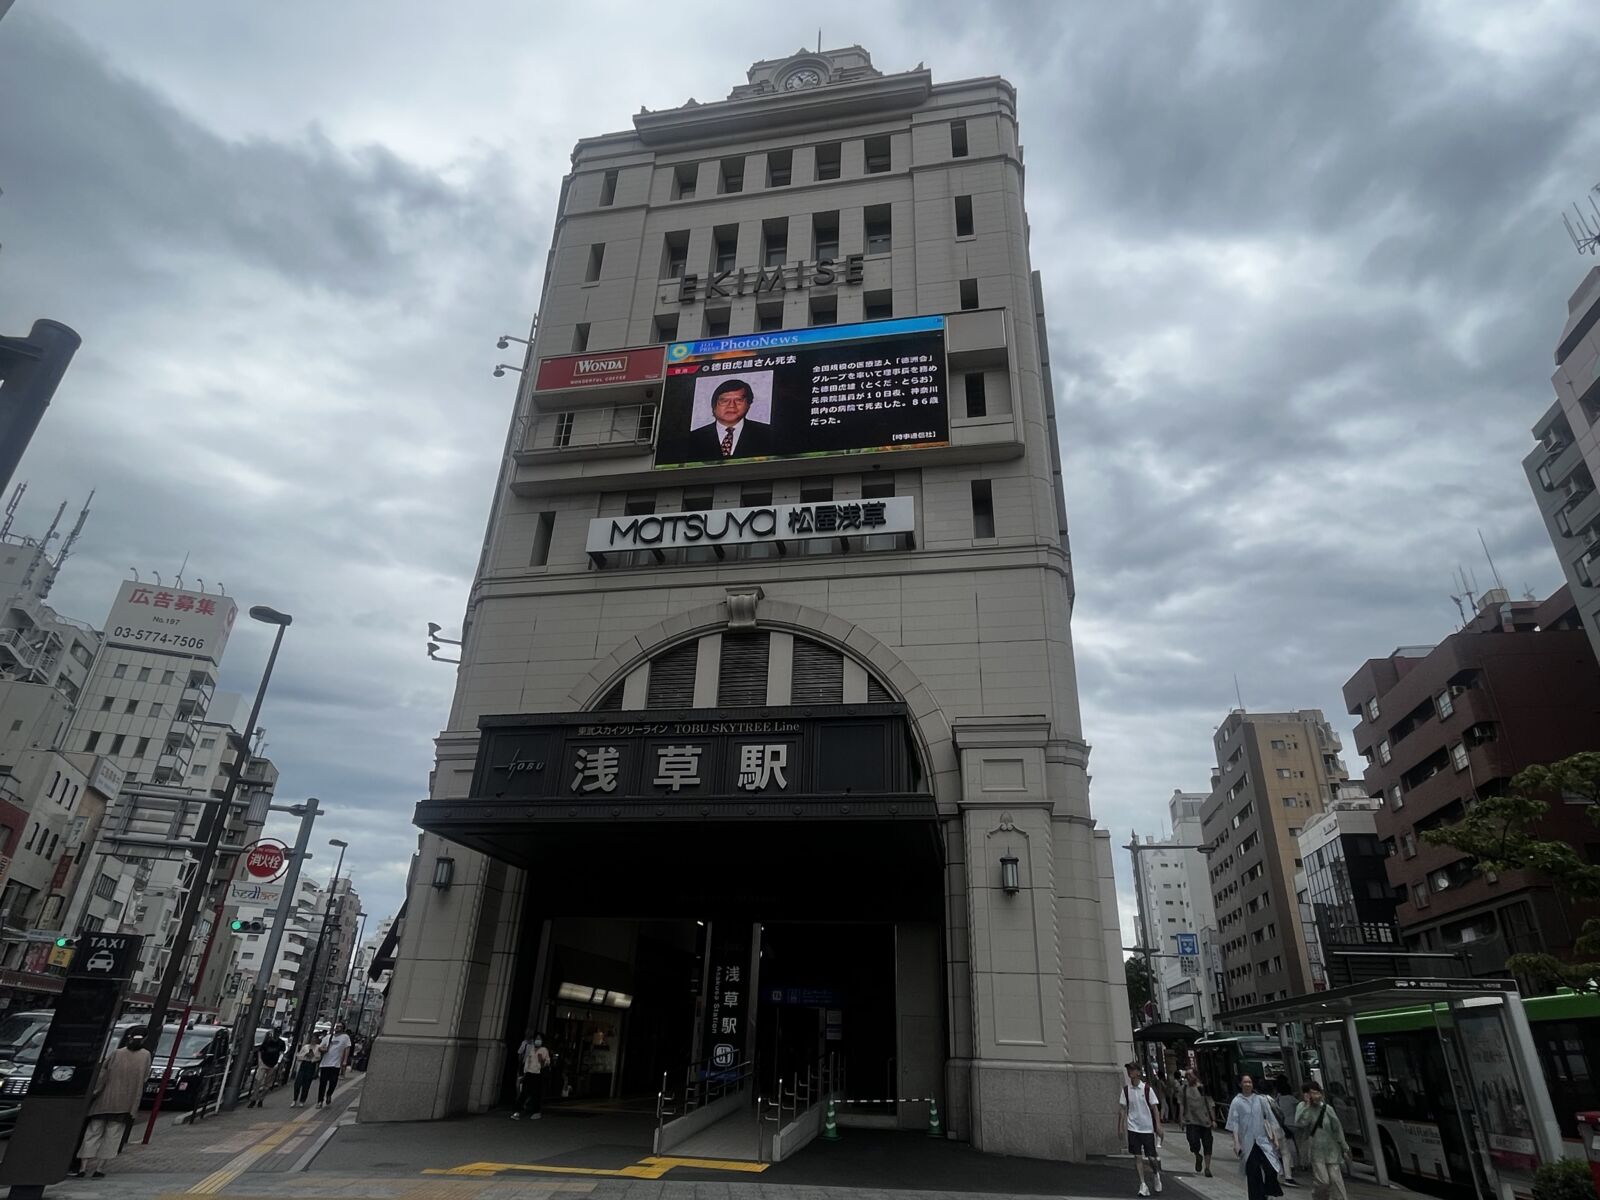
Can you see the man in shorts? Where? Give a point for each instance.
(1139, 1114)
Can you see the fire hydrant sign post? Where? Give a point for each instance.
(260, 864)
(50, 1124)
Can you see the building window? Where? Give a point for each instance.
(780, 168)
(120, 671)
(755, 495)
(105, 887)
(1397, 798)
(724, 247)
(824, 310)
(90, 742)
(1384, 754)
(207, 743)
(542, 531)
(774, 242)
(141, 747)
(825, 234)
(1419, 895)
(828, 159)
(608, 189)
(16, 726)
(116, 743)
(133, 707)
(666, 328)
(597, 260)
(982, 509)
(769, 317)
(166, 677)
(964, 226)
(1446, 703)
(155, 709)
(1408, 844)
(683, 180)
(977, 401)
(675, 254)
(1458, 756)
(879, 231)
(718, 321)
(580, 338)
(562, 435)
(730, 176)
(105, 703)
(877, 154)
(1372, 709)
(969, 294)
(144, 675)
(958, 139)
(877, 306)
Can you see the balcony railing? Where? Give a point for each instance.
(628, 428)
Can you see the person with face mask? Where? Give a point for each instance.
(534, 1059)
(114, 1104)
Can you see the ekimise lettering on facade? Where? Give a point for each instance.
(755, 281)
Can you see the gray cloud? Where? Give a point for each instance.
(1302, 265)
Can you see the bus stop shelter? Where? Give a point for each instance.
(1457, 996)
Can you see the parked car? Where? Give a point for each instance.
(18, 1028)
(198, 1071)
(16, 1075)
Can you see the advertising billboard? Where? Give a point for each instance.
(151, 617)
(767, 523)
(801, 393)
(599, 370)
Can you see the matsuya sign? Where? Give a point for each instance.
(767, 523)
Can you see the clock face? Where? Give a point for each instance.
(803, 78)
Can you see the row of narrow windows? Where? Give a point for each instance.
(816, 675)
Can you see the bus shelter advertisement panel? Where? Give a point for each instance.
(1497, 1096)
(840, 389)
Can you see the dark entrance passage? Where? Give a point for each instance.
(827, 994)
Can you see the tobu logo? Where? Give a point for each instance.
(264, 860)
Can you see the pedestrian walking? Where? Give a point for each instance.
(1255, 1140)
(534, 1058)
(335, 1056)
(305, 1071)
(268, 1055)
(113, 1105)
(1139, 1115)
(1322, 1144)
(1283, 1105)
(1198, 1118)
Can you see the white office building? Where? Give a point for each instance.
(765, 752)
(1175, 903)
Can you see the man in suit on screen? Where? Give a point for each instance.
(731, 434)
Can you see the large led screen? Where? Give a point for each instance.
(838, 389)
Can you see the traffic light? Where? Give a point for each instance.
(238, 926)
(64, 943)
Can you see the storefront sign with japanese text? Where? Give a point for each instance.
(152, 617)
(769, 523)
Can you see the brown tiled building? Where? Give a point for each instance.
(1442, 726)
(1276, 772)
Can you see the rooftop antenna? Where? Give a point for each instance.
(1461, 610)
(1585, 230)
(39, 552)
(11, 508)
(66, 547)
(1492, 569)
(1237, 695)
(819, 51)
(185, 563)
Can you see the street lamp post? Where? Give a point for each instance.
(217, 817)
(316, 953)
(355, 957)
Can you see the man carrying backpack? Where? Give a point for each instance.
(1322, 1142)
(1139, 1114)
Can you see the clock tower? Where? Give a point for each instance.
(807, 69)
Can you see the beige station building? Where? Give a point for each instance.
(765, 754)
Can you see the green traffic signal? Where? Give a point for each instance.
(236, 925)
(63, 942)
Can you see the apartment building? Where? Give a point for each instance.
(1174, 890)
(1442, 726)
(1276, 772)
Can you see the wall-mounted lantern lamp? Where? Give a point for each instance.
(444, 872)
(1010, 876)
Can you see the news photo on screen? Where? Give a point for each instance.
(837, 389)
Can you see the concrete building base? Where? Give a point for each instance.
(1042, 1110)
(428, 1079)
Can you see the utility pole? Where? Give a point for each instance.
(308, 814)
(316, 954)
(217, 817)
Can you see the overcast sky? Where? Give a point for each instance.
(1303, 266)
